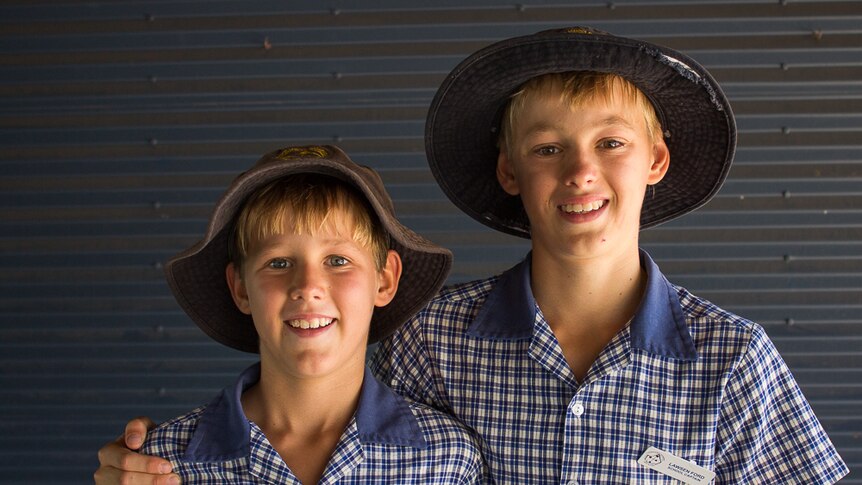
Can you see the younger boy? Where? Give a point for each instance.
(301, 263)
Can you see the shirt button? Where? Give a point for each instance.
(578, 410)
(572, 482)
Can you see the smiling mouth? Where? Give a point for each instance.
(310, 323)
(582, 208)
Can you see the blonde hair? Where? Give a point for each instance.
(306, 200)
(577, 88)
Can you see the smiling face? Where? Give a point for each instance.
(311, 288)
(581, 169)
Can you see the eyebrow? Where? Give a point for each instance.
(612, 120)
(274, 244)
(616, 120)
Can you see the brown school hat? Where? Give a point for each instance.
(197, 275)
(464, 120)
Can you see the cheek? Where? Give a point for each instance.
(258, 289)
(542, 193)
(353, 290)
(266, 293)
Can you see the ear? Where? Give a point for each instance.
(506, 173)
(660, 163)
(237, 289)
(388, 279)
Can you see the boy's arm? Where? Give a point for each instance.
(118, 464)
(767, 432)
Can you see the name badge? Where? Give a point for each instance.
(675, 467)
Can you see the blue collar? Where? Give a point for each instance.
(658, 326)
(223, 431)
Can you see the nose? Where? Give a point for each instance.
(578, 169)
(307, 283)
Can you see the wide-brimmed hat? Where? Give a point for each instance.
(197, 275)
(463, 124)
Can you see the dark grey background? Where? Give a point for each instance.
(122, 122)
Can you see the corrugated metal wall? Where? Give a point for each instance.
(121, 122)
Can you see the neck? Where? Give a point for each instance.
(282, 403)
(587, 301)
(588, 285)
(304, 417)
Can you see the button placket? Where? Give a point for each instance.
(572, 465)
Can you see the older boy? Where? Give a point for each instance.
(301, 263)
(583, 364)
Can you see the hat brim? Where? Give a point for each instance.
(463, 121)
(197, 275)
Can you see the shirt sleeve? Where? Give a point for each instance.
(767, 432)
(403, 363)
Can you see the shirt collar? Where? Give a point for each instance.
(385, 417)
(223, 431)
(658, 326)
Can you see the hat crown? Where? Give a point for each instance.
(323, 157)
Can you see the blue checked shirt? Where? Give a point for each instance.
(684, 376)
(388, 441)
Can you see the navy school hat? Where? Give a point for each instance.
(463, 122)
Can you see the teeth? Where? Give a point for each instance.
(311, 323)
(582, 208)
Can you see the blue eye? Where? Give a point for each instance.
(547, 150)
(337, 261)
(278, 263)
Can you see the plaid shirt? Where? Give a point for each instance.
(388, 441)
(684, 376)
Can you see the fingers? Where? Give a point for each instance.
(120, 465)
(113, 476)
(115, 455)
(136, 431)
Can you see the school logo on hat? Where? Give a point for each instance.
(302, 152)
(583, 30)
